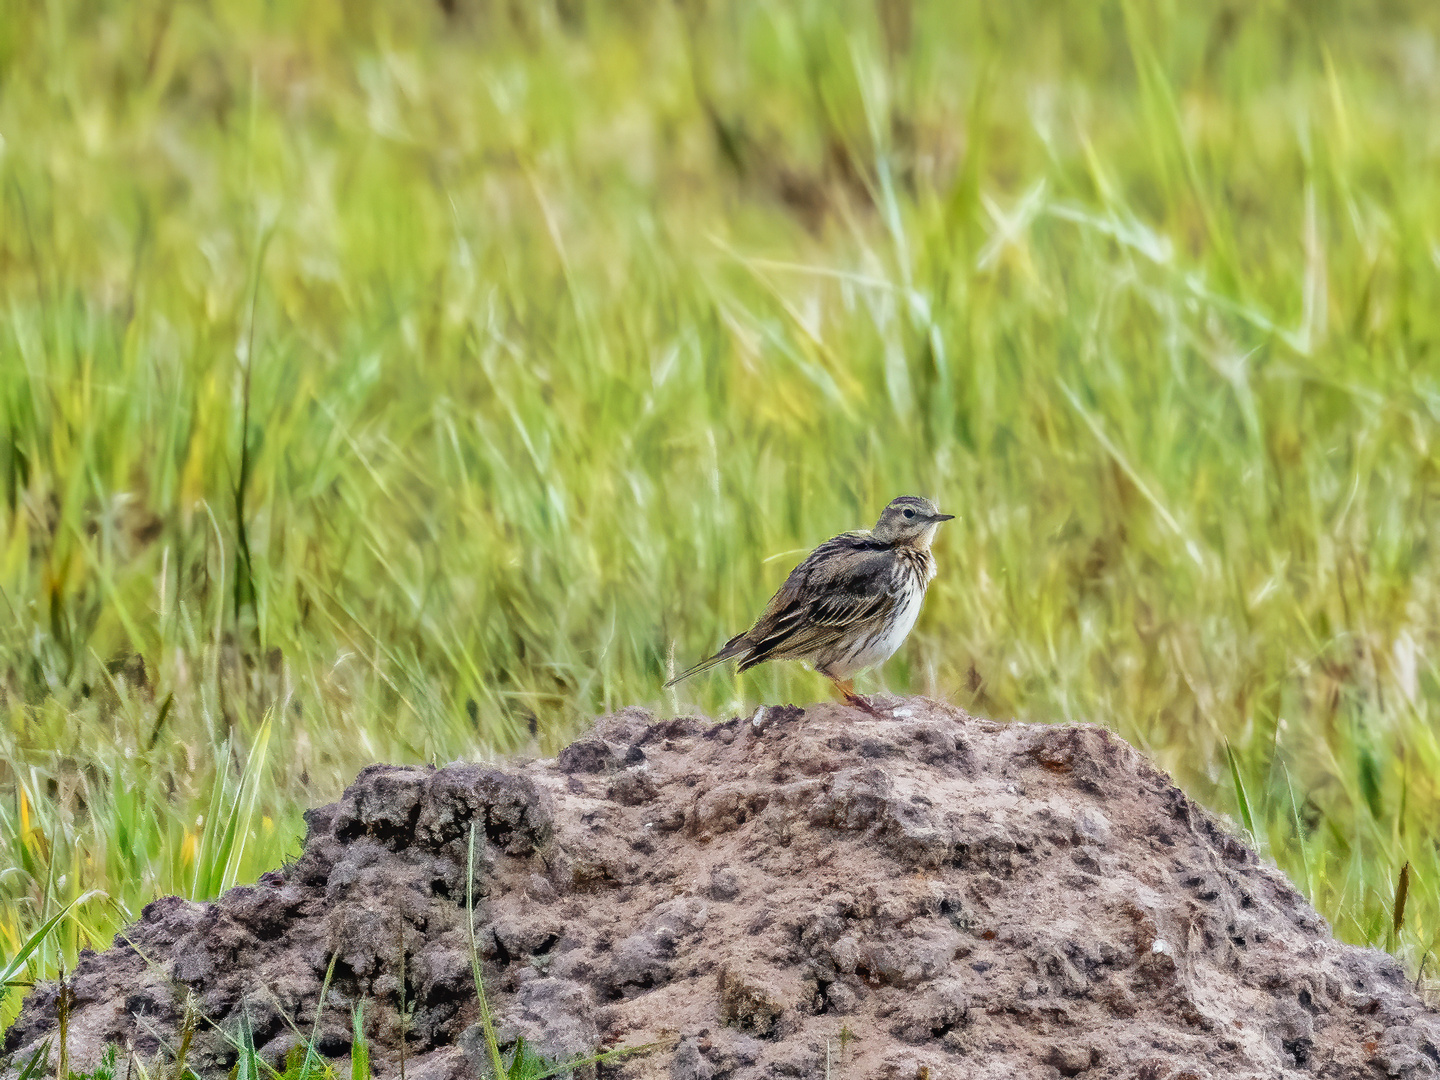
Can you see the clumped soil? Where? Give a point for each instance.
(927, 894)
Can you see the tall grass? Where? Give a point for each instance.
(378, 382)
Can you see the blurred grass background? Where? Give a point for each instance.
(413, 381)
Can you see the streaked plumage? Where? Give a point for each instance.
(850, 604)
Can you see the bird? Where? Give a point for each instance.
(849, 605)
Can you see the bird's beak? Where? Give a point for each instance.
(943, 517)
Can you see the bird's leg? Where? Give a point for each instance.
(847, 690)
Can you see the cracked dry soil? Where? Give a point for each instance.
(775, 896)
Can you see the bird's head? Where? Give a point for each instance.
(909, 520)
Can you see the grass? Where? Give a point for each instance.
(382, 383)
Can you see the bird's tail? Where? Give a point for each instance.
(736, 646)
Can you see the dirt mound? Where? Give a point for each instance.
(775, 896)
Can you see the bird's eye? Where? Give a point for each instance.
(909, 513)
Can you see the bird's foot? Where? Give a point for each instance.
(847, 691)
(863, 704)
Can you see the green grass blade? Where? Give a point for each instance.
(487, 1024)
(32, 944)
(36, 1063)
(237, 833)
(313, 1040)
(1241, 799)
(359, 1045)
(1307, 880)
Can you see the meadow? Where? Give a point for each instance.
(411, 382)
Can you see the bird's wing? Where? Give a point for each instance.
(842, 586)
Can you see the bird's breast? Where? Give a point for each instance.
(916, 563)
(909, 588)
(912, 575)
(906, 612)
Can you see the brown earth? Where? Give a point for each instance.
(796, 892)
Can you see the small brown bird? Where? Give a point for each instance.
(850, 604)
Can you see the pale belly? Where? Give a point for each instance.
(878, 649)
